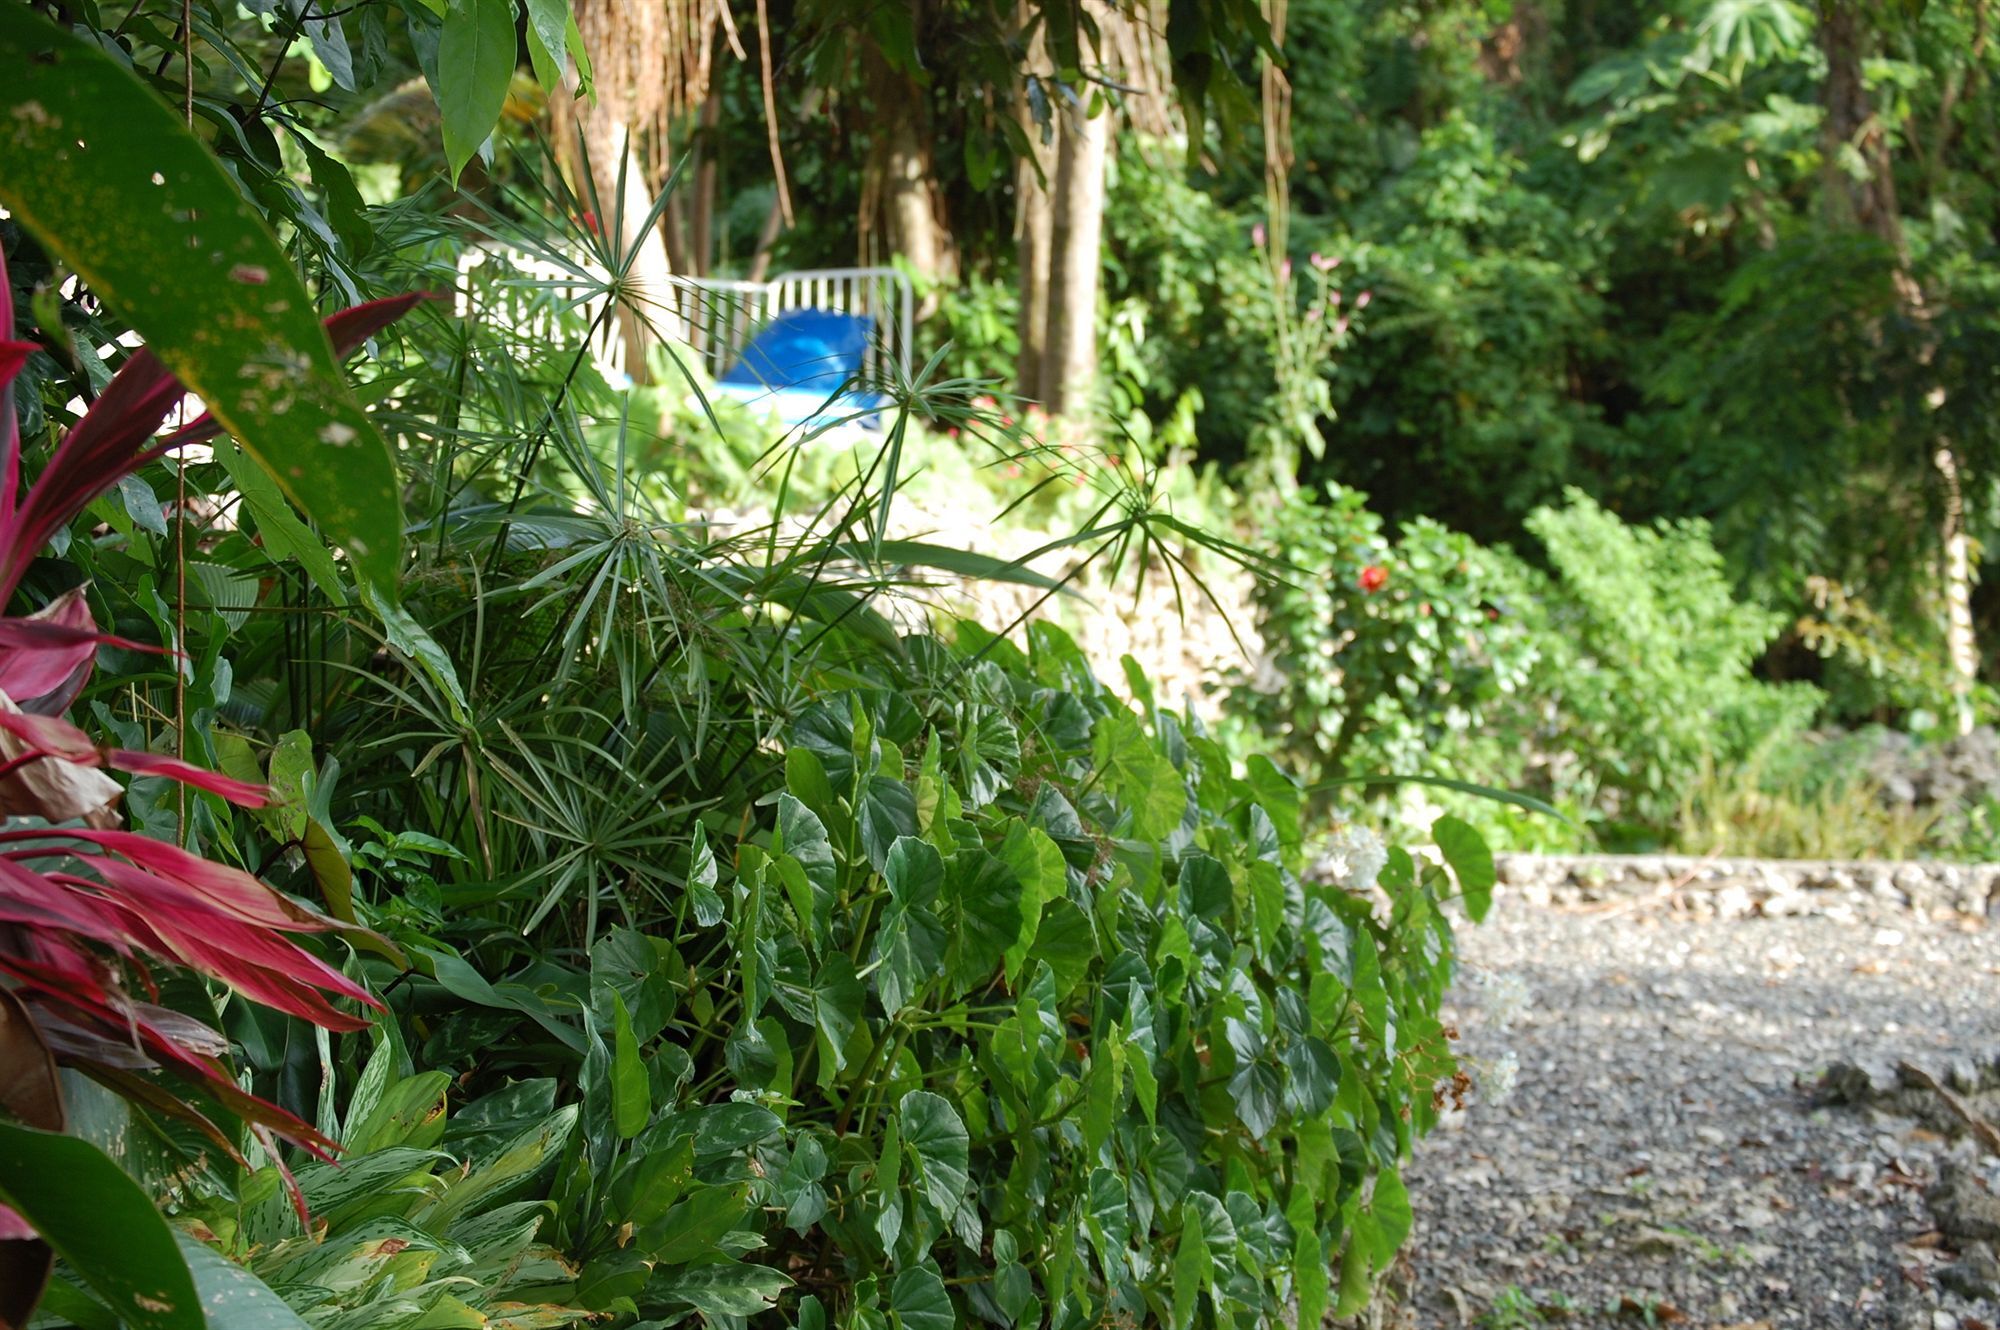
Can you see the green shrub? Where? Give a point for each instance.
(1608, 684)
(1385, 654)
(1010, 1005)
(1647, 661)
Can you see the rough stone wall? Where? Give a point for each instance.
(1731, 888)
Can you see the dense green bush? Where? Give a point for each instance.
(1384, 654)
(1608, 682)
(1010, 1005)
(1648, 660)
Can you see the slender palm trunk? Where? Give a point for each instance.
(1069, 363)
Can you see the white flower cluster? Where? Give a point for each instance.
(1505, 996)
(1497, 1077)
(1356, 857)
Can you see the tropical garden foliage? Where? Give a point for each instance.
(497, 834)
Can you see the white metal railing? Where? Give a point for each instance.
(714, 317)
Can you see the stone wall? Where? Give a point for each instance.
(1731, 888)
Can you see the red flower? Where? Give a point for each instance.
(1373, 578)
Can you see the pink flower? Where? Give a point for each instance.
(1313, 314)
(1323, 263)
(1340, 327)
(1258, 235)
(1333, 298)
(1361, 301)
(1285, 271)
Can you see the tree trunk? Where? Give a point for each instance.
(701, 226)
(1034, 223)
(1034, 228)
(1960, 644)
(1849, 129)
(900, 163)
(1069, 364)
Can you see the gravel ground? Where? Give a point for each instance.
(1663, 1158)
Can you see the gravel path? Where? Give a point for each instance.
(1662, 1158)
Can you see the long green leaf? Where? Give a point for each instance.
(101, 1223)
(106, 176)
(476, 59)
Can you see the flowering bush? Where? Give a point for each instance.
(1383, 651)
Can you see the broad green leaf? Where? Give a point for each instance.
(522, 1156)
(701, 879)
(1310, 1273)
(909, 943)
(1279, 796)
(100, 1223)
(232, 1297)
(837, 999)
(476, 59)
(730, 1289)
(647, 1187)
(888, 1184)
(691, 1228)
(631, 1101)
(1471, 862)
(201, 277)
(1390, 1209)
(918, 1301)
(726, 1129)
(1109, 1216)
(981, 913)
(1356, 1279)
(611, 1276)
(410, 1112)
(1194, 1268)
(1267, 906)
(936, 1139)
(803, 836)
(805, 777)
(1038, 866)
(413, 642)
(748, 929)
(1066, 943)
(402, 1168)
(1144, 781)
(888, 810)
(1102, 1085)
(798, 1186)
(1145, 1087)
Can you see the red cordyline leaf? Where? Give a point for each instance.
(111, 1034)
(110, 442)
(27, 897)
(46, 658)
(58, 738)
(143, 897)
(229, 889)
(179, 924)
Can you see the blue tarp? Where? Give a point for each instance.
(796, 364)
